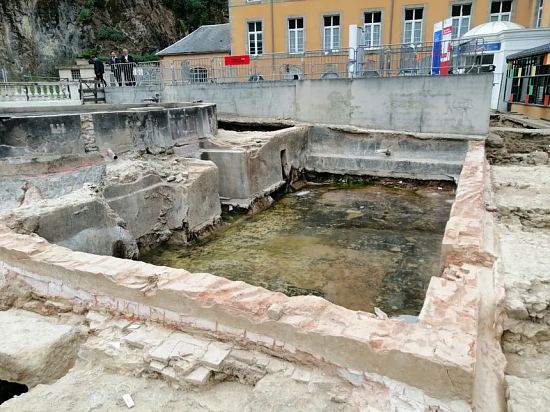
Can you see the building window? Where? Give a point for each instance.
(540, 7)
(331, 32)
(75, 74)
(461, 19)
(373, 28)
(255, 38)
(413, 25)
(501, 10)
(296, 35)
(199, 75)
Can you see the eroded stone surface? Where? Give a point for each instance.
(437, 354)
(526, 395)
(521, 183)
(524, 193)
(246, 380)
(33, 349)
(442, 344)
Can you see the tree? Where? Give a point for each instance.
(192, 14)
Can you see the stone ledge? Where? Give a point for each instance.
(309, 325)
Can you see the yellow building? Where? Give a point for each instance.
(294, 26)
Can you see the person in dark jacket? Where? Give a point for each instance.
(114, 62)
(128, 64)
(99, 70)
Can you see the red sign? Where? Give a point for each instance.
(237, 60)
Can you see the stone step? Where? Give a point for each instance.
(382, 165)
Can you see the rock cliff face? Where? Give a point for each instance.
(38, 35)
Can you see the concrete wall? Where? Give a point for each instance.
(123, 128)
(382, 153)
(438, 104)
(154, 206)
(248, 171)
(268, 99)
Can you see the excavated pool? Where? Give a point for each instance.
(358, 246)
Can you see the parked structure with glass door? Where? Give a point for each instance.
(529, 75)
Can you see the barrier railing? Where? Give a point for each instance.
(35, 91)
(463, 56)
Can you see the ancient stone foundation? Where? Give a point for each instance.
(71, 221)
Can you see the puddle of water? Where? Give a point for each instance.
(356, 246)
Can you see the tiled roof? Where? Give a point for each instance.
(206, 39)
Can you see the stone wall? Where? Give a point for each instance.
(122, 128)
(258, 164)
(438, 104)
(48, 177)
(441, 353)
(349, 150)
(125, 203)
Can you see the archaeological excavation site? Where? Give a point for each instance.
(276, 247)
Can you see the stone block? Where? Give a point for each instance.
(121, 324)
(169, 373)
(215, 355)
(276, 365)
(95, 319)
(354, 377)
(261, 360)
(199, 376)
(143, 337)
(243, 356)
(34, 350)
(183, 366)
(177, 346)
(157, 366)
(301, 375)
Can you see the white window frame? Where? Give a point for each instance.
(332, 30)
(294, 36)
(500, 14)
(538, 17)
(415, 22)
(458, 20)
(76, 74)
(199, 74)
(255, 37)
(370, 41)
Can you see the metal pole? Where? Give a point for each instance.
(272, 41)
(391, 21)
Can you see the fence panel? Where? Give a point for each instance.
(465, 56)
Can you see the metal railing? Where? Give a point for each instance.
(132, 74)
(464, 56)
(34, 91)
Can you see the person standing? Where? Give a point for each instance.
(128, 63)
(114, 62)
(99, 70)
